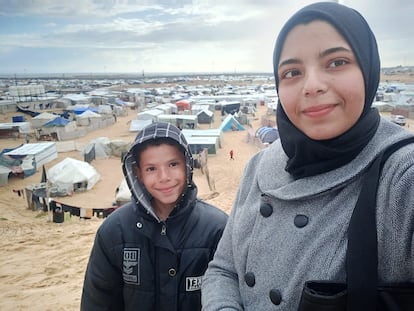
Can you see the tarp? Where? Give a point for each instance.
(58, 121)
(69, 173)
(231, 124)
(267, 135)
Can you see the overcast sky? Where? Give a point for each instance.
(135, 36)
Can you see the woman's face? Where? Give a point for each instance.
(321, 86)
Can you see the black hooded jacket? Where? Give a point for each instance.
(141, 263)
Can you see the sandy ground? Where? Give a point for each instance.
(42, 263)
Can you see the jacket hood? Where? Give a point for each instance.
(155, 130)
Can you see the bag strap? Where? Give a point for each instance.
(362, 252)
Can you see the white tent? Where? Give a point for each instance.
(73, 175)
(123, 194)
(41, 119)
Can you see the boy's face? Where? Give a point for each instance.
(321, 86)
(162, 170)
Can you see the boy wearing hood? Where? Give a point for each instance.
(151, 253)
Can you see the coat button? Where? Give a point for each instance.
(172, 272)
(266, 209)
(301, 221)
(250, 279)
(275, 296)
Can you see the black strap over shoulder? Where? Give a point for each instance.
(362, 252)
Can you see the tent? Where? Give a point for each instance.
(138, 125)
(40, 153)
(197, 144)
(72, 175)
(58, 121)
(123, 194)
(267, 135)
(205, 116)
(231, 124)
(183, 105)
(41, 119)
(100, 146)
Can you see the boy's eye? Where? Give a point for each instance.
(173, 164)
(150, 169)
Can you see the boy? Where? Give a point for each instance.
(151, 253)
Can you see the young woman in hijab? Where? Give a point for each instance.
(291, 214)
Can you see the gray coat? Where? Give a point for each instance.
(283, 232)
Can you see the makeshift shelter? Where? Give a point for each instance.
(97, 149)
(87, 117)
(41, 119)
(231, 124)
(197, 144)
(72, 175)
(179, 120)
(267, 135)
(151, 114)
(138, 125)
(205, 116)
(58, 121)
(40, 153)
(217, 133)
(229, 107)
(183, 104)
(123, 194)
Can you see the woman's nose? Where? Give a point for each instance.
(314, 83)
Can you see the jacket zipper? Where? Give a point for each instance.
(164, 229)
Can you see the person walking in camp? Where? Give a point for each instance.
(151, 253)
(290, 219)
(231, 154)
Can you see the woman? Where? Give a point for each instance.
(290, 217)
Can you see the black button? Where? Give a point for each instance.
(301, 221)
(275, 296)
(250, 279)
(266, 209)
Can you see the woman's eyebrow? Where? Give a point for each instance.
(334, 50)
(289, 61)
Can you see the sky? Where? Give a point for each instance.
(171, 36)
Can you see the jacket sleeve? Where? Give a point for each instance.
(220, 286)
(102, 289)
(220, 289)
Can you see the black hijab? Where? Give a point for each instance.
(308, 157)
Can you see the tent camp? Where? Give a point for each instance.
(231, 124)
(72, 175)
(267, 135)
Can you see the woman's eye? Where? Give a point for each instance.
(337, 63)
(173, 164)
(150, 169)
(290, 74)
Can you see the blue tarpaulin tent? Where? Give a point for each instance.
(58, 121)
